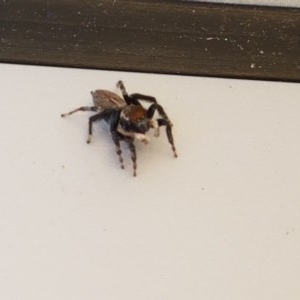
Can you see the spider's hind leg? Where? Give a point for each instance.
(82, 108)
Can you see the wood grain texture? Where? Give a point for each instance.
(174, 37)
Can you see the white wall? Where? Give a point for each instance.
(219, 222)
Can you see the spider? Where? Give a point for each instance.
(127, 119)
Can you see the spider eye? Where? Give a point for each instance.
(142, 126)
(126, 125)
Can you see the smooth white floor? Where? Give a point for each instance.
(222, 221)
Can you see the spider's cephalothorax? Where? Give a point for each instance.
(127, 118)
(133, 118)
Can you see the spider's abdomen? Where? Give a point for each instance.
(105, 99)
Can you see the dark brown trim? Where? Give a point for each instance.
(174, 37)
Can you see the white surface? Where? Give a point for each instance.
(219, 222)
(289, 3)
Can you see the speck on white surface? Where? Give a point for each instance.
(219, 222)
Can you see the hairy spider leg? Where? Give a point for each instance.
(136, 97)
(121, 86)
(106, 114)
(82, 108)
(116, 138)
(164, 122)
(131, 147)
(151, 110)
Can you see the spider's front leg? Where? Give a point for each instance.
(163, 122)
(134, 98)
(156, 107)
(121, 86)
(154, 123)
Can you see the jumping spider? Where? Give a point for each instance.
(127, 118)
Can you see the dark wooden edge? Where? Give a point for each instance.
(172, 37)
